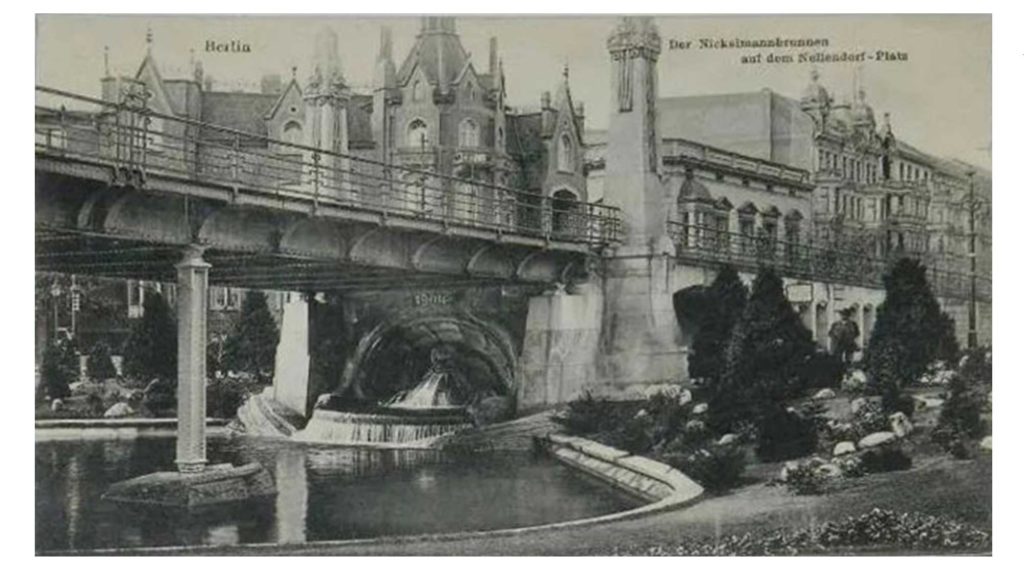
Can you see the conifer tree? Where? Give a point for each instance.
(252, 344)
(766, 356)
(911, 332)
(152, 348)
(99, 365)
(723, 304)
(57, 369)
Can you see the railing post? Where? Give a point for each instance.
(316, 181)
(236, 168)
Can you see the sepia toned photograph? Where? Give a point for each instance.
(522, 285)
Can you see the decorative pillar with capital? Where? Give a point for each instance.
(193, 273)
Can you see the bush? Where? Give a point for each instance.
(902, 403)
(823, 370)
(910, 333)
(722, 305)
(976, 367)
(716, 468)
(960, 420)
(586, 415)
(152, 348)
(99, 367)
(160, 396)
(767, 356)
(58, 369)
(785, 434)
(878, 528)
(885, 459)
(225, 396)
(806, 478)
(252, 344)
(869, 418)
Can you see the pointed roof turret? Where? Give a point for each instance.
(815, 95)
(385, 75)
(327, 74)
(438, 52)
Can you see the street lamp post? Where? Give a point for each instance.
(972, 320)
(55, 293)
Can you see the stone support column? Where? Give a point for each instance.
(193, 274)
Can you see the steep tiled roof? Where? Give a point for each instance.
(243, 111)
(426, 54)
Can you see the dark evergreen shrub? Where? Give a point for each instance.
(632, 435)
(823, 370)
(99, 367)
(767, 357)
(885, 459)
(252, 344)
(225, 395)
(152, 347)
(160, 396)
(716, 468)
(911, 332)
(785, 435)
(57, 371)
(721, 304)
(585, 415)
(960, 420)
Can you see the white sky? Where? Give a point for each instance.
(940, 99)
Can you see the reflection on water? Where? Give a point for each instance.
(324, 493)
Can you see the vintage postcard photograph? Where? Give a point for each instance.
(535, 285)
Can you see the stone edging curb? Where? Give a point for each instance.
(665, 487)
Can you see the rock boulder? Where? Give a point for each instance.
(876, 439)
(119, 410)
(900, 424)
(843, 448)
(824, 394)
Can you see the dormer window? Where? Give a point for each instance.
(565, 160)
(469, 133)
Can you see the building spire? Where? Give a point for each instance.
(106, 61)
(149, 39)
(385, 43)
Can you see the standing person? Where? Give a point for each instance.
(843, 334)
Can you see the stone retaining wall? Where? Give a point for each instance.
(639, 476)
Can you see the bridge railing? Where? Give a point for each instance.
(703, 245)
(138, 143)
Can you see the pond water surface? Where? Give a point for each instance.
(324, 493)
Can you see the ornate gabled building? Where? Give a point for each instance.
(435, 113)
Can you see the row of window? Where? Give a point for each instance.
(851, 168)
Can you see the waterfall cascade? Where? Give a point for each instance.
(412, 418)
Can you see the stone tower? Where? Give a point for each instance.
(639, 340)
(327, 99)
(632, 177)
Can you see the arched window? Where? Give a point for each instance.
(419, 136)
(417, 91)
(565, 163)
(469, 134)
(501, 138)
(292, 132)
